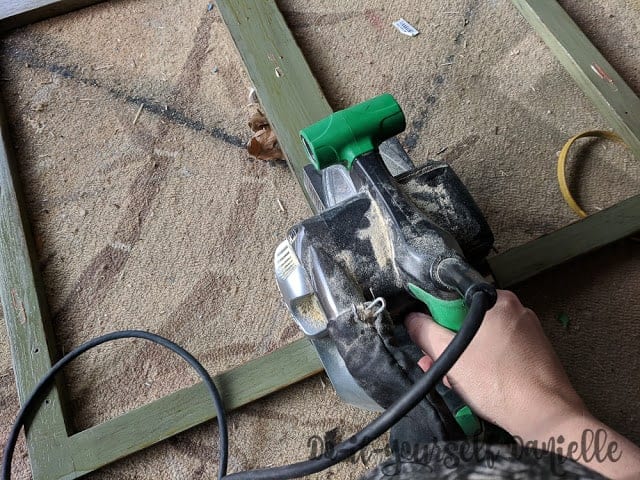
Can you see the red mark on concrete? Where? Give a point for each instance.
(374, 19)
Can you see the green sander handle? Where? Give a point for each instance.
(450, 314)
(347, 134)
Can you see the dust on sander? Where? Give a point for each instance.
(263, 145)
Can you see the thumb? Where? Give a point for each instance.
(427, 334)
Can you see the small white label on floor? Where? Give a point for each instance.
(404, 27)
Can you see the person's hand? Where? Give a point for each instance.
(509, 374)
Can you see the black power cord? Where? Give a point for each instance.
(33, 402)
(481, 301)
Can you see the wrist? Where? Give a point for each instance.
(547, 415)
(565, 422)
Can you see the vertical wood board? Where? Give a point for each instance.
(25, 313)
(287, 90)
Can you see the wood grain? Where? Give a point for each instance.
(576, 239)
(287, 90)
(25, 312)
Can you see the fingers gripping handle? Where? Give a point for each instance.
(450, 314)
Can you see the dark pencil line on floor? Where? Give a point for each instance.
(167, 112)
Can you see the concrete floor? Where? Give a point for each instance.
(168, 225)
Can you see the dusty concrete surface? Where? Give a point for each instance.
(169, 226)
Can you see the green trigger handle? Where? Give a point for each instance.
(343, 136)
(450, 314)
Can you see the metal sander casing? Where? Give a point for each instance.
(337, 262)
(440, 194)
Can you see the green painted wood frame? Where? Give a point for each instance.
(292, 99)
